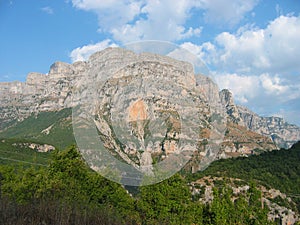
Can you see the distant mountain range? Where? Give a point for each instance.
(39, 109)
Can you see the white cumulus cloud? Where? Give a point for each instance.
(111, 13)
(273, 85)
(259, 93)
(244, 88)
(84, 52)
(262, 90)
(275, 48)
(134, 20)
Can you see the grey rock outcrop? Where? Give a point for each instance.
(36, 147)
(286, 213)
(40, 92)
(231, 109)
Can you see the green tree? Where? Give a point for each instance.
(222, 207)
(258, 214)
(166, 203)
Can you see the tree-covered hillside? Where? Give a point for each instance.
(277, 169)
(68, 192)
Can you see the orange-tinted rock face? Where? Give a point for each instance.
(137, 111)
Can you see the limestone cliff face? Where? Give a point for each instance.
(53, 91)
(40, 92)
(150, 102)
(231, 108)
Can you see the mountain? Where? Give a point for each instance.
(282, 133)
(40, 93)
(141, 88)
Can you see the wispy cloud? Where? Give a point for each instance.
(279, 10)
(47, 9)
(222, 12)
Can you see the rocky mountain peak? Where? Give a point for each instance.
(226, 97)
(61, 68)
(231, 109)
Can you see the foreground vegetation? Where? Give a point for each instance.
(68, 192)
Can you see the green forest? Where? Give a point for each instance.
(67, 191)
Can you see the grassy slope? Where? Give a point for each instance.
(30, 129)
(13, 151)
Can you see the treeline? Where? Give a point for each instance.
(65, 192)
(68, 192)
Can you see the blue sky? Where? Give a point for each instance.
(252, 47)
